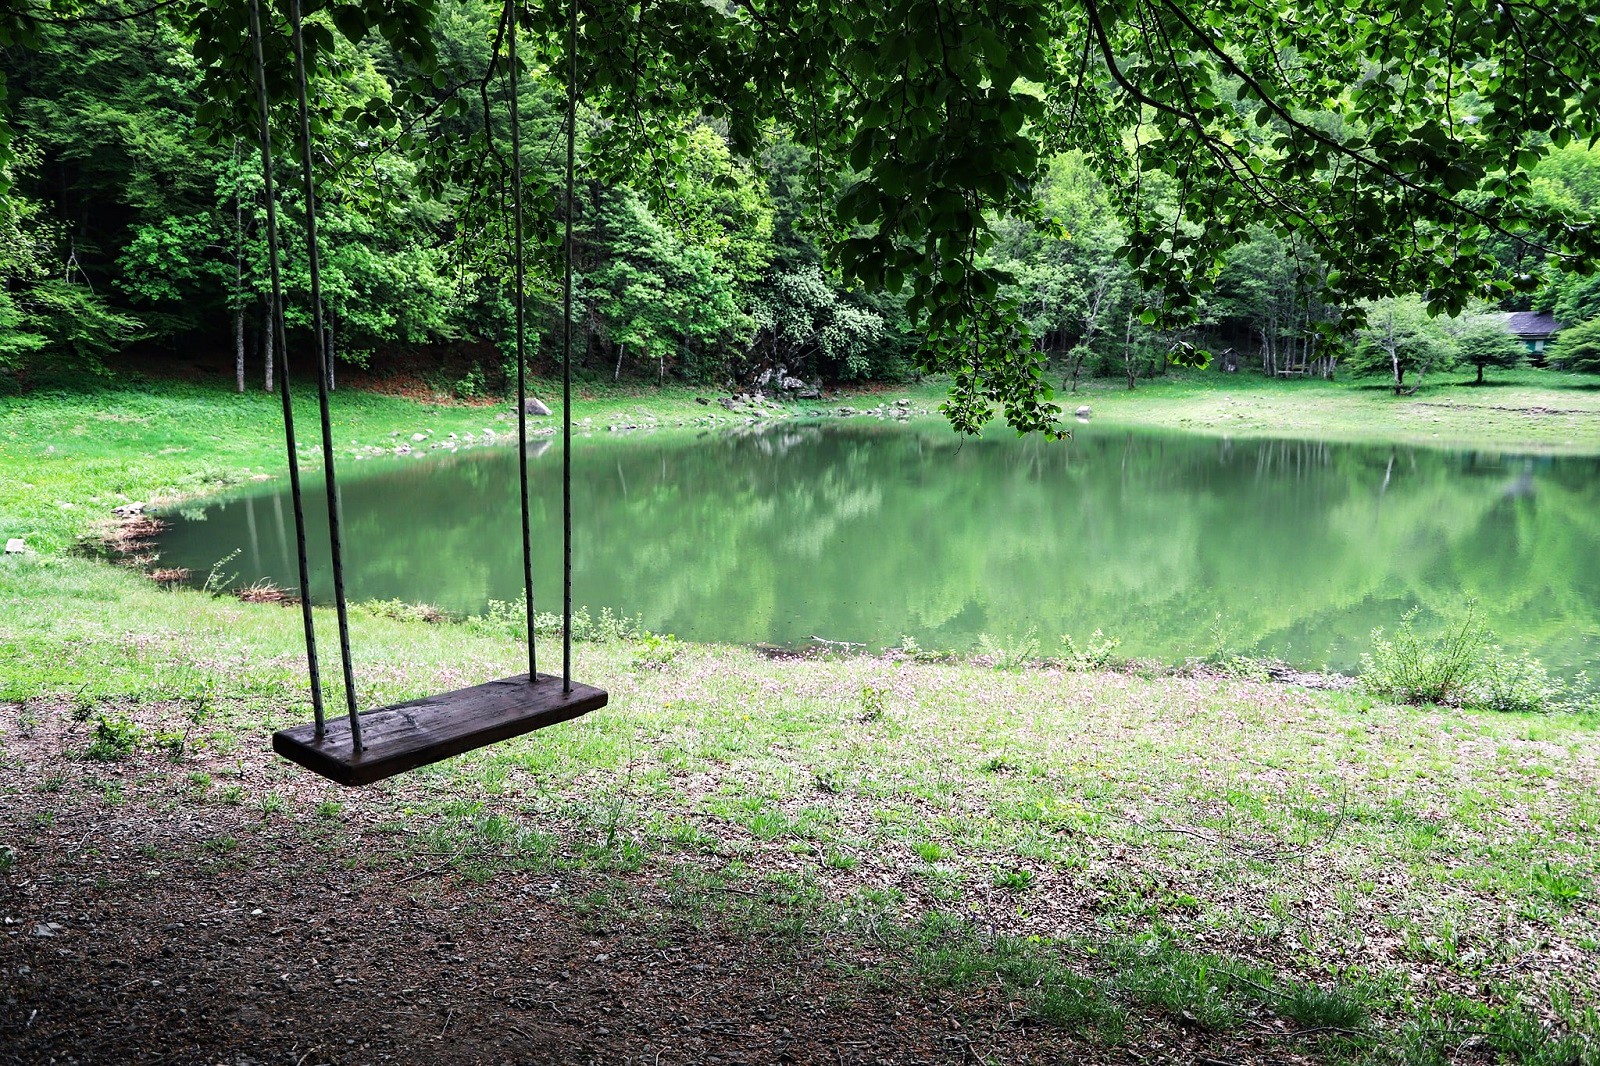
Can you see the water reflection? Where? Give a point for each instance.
(866, 533)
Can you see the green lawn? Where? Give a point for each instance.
(1340, 878)
(1518, 410)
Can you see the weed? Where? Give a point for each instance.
(1014, 880)
(656, 651)
(874, 700)
(830, 782)
(1096, 653)
(216, 581)
(401, 611)
(1517, 683)
(1010, 657)
(910, 649)
(114, 738)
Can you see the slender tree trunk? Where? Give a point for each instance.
(266, 342)
(238, 347)
(616, 375)
(1480, 375)
(332, 384)
(238, 283)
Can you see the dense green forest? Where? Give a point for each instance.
(720, 249)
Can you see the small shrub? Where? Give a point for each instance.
(1462, 667)
(1096, 653)
(656, 651)
(874, 701)
(1410, 668)
(472, 384)
(1517, 683)
(401, 611)
(910, 649)
(509, 618)
(114, 738)
(1014, 657)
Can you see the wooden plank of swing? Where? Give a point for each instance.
(405, 736)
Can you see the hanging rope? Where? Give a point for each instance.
(566, 358)
(522, 355)
(277, 326)
(335, 537)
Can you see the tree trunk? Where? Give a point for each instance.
(616, 375)
(332, 384)
(1480, 375)
(267, 341)
(238, 283)
(238, 347)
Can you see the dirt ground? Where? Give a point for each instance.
(194, 934)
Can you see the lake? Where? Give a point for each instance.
(866, 532)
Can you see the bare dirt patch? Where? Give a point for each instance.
(209, 934)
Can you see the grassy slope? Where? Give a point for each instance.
(1237, 851)
(1522, 411)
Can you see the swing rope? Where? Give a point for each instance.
(313, 264)
(566, 357)
(277, 326)
(522, 355)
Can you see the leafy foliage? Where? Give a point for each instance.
(1399, 338)
(909, 148)
(1578, 347)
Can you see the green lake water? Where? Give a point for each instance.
(865, 532)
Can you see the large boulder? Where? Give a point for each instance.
(534, 406)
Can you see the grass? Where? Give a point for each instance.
(1350, 879)
(1145, 846)
(1543, 411)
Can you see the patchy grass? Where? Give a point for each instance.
(1246, 857)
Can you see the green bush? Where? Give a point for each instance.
(1411, 668)
(1461, 666)
(1506, 682)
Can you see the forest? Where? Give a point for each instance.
(133, 222)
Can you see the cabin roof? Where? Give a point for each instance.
(1531, 323)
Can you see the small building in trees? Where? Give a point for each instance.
(1535, 329)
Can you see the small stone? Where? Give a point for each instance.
(16, 546)
(1083, 412)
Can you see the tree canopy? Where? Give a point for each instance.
(1391, 143)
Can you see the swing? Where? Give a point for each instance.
(368, 746)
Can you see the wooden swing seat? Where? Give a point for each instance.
(404, 736)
